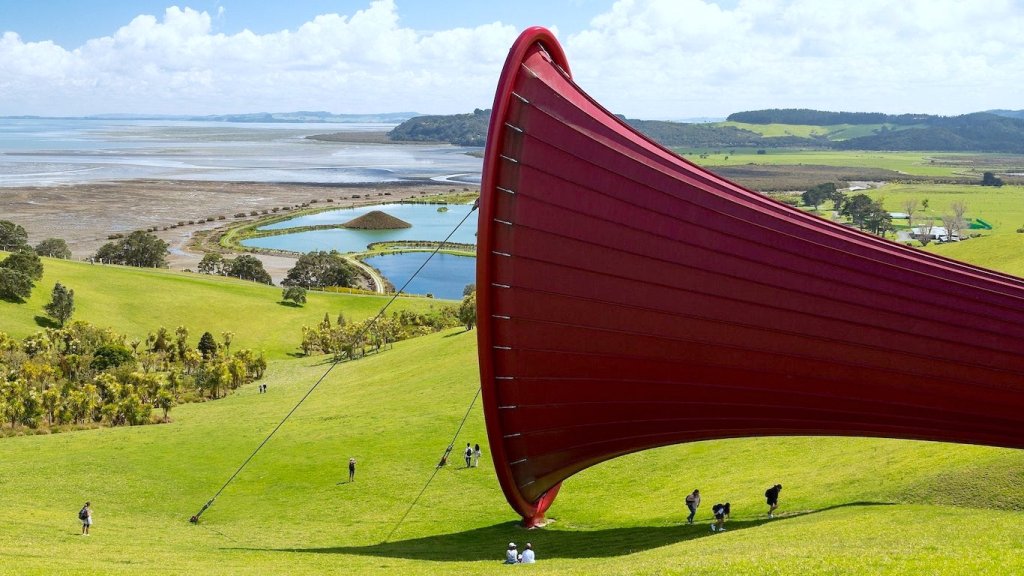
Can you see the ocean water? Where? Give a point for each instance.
(44, 152)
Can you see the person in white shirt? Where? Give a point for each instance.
(511, 554)
(527, 557)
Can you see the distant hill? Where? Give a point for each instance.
(457, 129)
(804, 116)
(980, 131)
(1007, 113)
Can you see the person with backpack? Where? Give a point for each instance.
(468, 454)
(721, 512)
(692, 502)
(771, 496)
(85, 516)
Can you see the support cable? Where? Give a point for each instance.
(195, 518)
(444, 460)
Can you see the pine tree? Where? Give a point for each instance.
(62, 304)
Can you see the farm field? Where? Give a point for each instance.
(930, 164)
(1001, 248)
(850, 506)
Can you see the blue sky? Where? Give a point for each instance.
(70, 23)
(662, 59)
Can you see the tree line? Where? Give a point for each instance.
(85, 376)
(351, 340)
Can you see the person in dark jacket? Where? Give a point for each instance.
(771, 496)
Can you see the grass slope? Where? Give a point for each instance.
(852, 506)
(137, 301)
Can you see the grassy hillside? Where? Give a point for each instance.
(852, 506)
(830, 132)
(136, 301)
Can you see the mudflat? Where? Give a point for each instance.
(85, 215)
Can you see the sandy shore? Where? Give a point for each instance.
(84, 215)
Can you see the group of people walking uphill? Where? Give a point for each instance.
(721, 511)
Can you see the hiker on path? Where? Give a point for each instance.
(692, 502)
(771, 496)
(85, 515)
(351, 469)
(511, 555)
(468, 454)
(477, 453)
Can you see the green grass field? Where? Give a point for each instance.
(136, 301)
(1001, 248)
(850, 506)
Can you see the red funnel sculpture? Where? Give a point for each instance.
(629, 299)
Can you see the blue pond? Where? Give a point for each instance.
(444, 276)
(427, 224)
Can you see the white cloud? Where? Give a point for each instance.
(365, 62)
(678, 58)
(644, 58)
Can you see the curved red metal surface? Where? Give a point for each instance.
(629, 299)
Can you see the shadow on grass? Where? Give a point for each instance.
(289, 304)
(46, 322)
(488, 543)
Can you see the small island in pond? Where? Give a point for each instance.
(376, 220)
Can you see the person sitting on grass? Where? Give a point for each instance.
(511, 555)
(527, 557)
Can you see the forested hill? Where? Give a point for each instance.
(457, 129)
(471, 130)
(979, 132)
(803, 116)
(997, 131)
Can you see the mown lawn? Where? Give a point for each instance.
(137, 301)
(850, 506)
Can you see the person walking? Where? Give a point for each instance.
(468, 454)
(477, 453)
(771, 496)
(85, 515)
(692, 502)
(351, 469)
